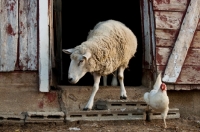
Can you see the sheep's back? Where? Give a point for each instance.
(112, 45)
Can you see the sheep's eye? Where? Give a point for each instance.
(80, 62)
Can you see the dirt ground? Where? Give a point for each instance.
(191, 124)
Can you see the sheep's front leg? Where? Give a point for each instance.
(121, 81)
(94, 91)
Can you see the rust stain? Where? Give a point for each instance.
(41, 104)
(51, 96)
(159, 57)
(11, 5)
(9, 30)
(162, 1)
(20, 11)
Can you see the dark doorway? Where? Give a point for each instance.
(78, 18)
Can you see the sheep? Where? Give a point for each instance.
(108, 48)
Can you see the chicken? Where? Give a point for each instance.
(157, 98)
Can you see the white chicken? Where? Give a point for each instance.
(157, 98)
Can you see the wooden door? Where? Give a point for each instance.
(177, 40)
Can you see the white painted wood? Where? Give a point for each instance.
(183, 42)
(8, 34)
(43, 46)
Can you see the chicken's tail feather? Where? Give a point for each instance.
(158, 82)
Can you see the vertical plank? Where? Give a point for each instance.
(28, 34)
(182, 44)
(147, 39)
(32, 34)
(43, 46)
(153, 43)
(23, 38)
(8, 34)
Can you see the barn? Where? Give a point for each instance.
(33, 68)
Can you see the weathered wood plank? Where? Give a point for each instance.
(8, 34)
(166, 34)
(188, 75)
(28, 35)
(168, 20)
(147, 39)
(198, 26)
(172, 5)
(43, 46)
(182, 44)
(170, 86)
(32, 34)
(23, 38)
(182, 87)
(167, 38)
(193, 87)
(193, 57)
(163, 53)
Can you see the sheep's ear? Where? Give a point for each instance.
(87, 55)
(68, 51)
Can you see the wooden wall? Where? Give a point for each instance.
(18, 35)
(169, 15)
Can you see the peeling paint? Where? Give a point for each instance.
(9, 30)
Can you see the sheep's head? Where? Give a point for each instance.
(78, 65)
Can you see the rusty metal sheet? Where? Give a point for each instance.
(28, 35)
(168, 20)
(8, 34)
(172, 5)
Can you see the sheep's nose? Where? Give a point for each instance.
(70, 79)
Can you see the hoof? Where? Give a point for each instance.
(123, 97)
(86, 109)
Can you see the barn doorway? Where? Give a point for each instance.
(77, 21)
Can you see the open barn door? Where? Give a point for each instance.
(148, 29)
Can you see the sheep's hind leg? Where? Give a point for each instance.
(105, 80)
(121, 81)
(94, 91)
(114, 79)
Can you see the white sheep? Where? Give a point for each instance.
(108, 48)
